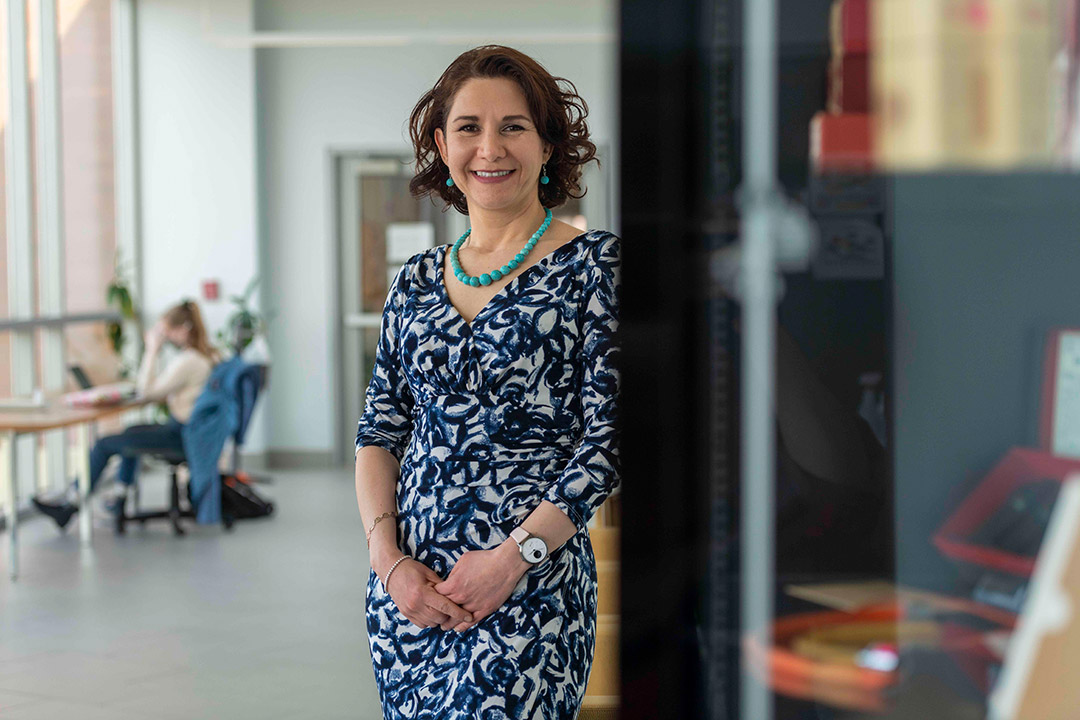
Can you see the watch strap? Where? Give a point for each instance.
(519, 535)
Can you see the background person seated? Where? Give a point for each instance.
(179, 384)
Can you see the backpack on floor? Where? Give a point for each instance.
(240, 500)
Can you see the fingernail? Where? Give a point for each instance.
(468, 618)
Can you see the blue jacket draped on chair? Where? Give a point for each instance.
(222, 410)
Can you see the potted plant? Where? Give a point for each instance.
(244, 324)
(118, 296)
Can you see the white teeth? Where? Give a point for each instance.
(497, 173)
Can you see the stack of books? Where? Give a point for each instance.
(840, 136)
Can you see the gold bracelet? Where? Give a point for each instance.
(391, 513)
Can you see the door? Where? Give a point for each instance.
(381, 226)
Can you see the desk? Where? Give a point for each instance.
(53, 417)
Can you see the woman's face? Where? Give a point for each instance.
(179, 335)
(491, 145)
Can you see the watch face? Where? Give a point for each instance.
(534, 550)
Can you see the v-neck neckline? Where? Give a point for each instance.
(440, 277)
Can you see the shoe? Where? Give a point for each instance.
(61, 513)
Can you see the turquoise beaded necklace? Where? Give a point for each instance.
(488, 278)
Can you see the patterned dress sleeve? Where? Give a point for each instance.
(593, 471)
(387, 420)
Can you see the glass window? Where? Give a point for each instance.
(89, 346)
(4, 114)
(86, 99)
(5, 338)
(87, 136)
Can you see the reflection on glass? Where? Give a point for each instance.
(937, 83)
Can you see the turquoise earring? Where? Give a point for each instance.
(544, 179)
(449, 182)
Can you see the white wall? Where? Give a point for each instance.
(197, 144)
(313, 100)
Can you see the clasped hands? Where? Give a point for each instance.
(477, 586)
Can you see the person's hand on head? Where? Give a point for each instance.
(155, 336)
(412, 588)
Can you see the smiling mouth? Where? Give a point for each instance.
(492, 173)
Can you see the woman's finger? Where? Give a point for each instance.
(446, 606)
(430, 575)
(457, 598)
(431, 619)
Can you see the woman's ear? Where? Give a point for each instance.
(440, 142)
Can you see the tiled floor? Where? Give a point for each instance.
(266, 622)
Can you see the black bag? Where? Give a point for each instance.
(240, 501)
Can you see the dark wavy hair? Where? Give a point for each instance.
(557, 111)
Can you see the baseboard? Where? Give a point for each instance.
(299, 459)
(254, 461)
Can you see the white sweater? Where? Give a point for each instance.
(179, 384)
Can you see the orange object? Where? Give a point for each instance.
(841, 684)
(841, 142)
(837, 684)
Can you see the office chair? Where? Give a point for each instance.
(246, 392)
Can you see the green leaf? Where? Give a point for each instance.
(116, 336)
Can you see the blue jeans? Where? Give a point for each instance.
(165, 437)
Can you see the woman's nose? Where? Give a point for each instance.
(491, 146)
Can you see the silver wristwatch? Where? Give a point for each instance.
(533, 549)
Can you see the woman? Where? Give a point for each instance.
(178, 385)
(488, 438)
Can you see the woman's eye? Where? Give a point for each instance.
(467, 128)
(513, 128)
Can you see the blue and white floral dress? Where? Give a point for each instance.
(488, 419)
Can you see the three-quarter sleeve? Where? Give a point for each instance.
(387, 420)
(593, 471)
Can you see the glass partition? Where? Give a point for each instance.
(923, 431)
(921, 414)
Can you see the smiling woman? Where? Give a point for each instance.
(489, 438)
(552, 111)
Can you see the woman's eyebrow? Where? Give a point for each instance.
(476, 118)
